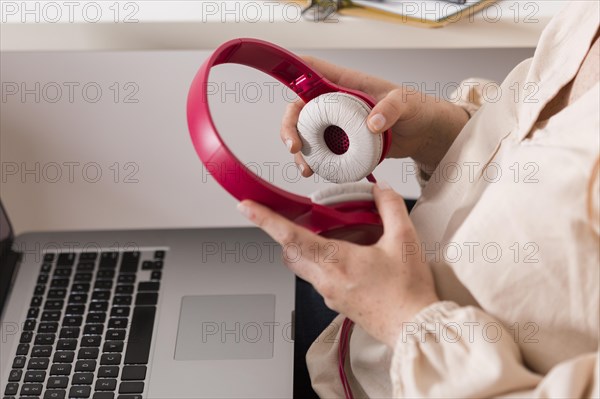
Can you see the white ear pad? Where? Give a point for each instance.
(345, 192)
(336, 142)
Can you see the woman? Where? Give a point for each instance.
(490, 287)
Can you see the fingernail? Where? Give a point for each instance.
(383, 185)
(377, 122)
(288, 144)
(244, 210)
(301, 167)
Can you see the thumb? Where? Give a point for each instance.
(393, 212)
(386, 112)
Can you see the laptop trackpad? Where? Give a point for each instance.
(226, 327)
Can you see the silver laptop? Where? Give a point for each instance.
(204, 313)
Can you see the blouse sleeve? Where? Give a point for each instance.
(453, 351)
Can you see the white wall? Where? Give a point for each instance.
(150, 137)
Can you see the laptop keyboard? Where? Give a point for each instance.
(89, 326)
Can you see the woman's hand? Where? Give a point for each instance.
(423, 126)
(378, 287)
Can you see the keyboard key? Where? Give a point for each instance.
(109, 359)
(131, 387)
(63, 357)
(85, 266)
(156, 275)
(78, 298)
(124, 289)
(35, 376)
(91, 341)
(69, 332)
(55, 394)
(42, 279)
(31, 389)
(41, 351)
(26, 337)
(46, 268)
(22, 349)
(49, 257)
(66, 259)
(115, 335)
(105, 274)
(108, 372)
(59, 283)
(50, 327)
(88, 256)
(36, 301)
(51, 315)
(60, 369)
(133, 373)
(146, 298)
(104, 395)
(57, 382)
(29, 325)
(57, 293)
(101, 295)
(72, 321)
(120, 311)
(66, 344)
(130, 396)
(75, 310)
(159, 254)
(83, 277)
(103, 285)
(148, 286)
(99, 306)
(117, 322)
(122, 300)
(80, 287)
(88, 353)
(33, 313)
(93, 329)
(39, 290)
(126, 279)
(54, 304)
(83, 378)
(113, 346)
(38, 363)
(15, 375)
(63, 272)
(11, 388)
(106, 384)
(98, 317)
(140, 335)
(131, 257)
(109, 259)
(85, 365)
(80, 392)
(19, 362)
(44, 339)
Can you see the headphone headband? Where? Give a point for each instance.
(229, 171)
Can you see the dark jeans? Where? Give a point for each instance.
(312, 317)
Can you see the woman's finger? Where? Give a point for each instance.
(305, 170)
(282, 230)
(393, 212)
(289, 132)
(393, 107)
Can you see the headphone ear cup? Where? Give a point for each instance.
(336, 142)
(345, 192)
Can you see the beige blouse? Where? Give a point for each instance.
(504, 223)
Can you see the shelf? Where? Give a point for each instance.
(202, 25)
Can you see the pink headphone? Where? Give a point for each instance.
(344, 211)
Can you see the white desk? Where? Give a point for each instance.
(148, 140)
(199, 25)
